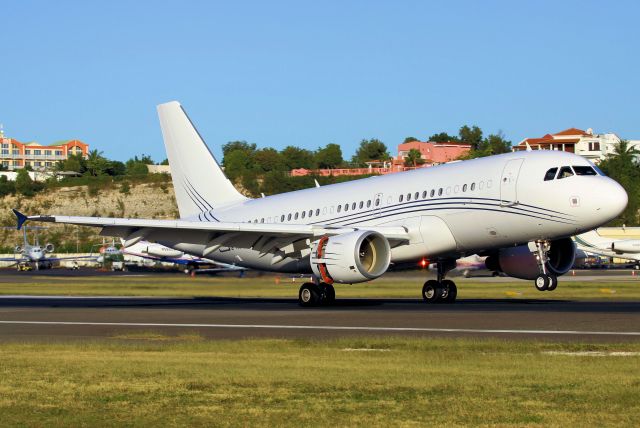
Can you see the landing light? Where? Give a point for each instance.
(423, 263)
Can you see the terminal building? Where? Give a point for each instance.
(594, 147)
(15, 154)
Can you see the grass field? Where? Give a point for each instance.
(398, 287)
(148, 379)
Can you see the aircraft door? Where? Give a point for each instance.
(509, 181)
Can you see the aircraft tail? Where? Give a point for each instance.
(199, 183)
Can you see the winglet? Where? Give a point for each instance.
(21, 218)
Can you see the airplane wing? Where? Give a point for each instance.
(265, 237)
(57, 259)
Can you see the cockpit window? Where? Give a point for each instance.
(598, 170)
(584, 170)
(551, 174)
(565, 172)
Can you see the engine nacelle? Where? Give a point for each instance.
(626, 246)
(520, 262)
(18, 249)
(352, 257)
(49, 248)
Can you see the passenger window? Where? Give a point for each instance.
(408, 197)
(551, 174)
(416, 196)
(584, 170)
(473, 186)
(295, 217)
(369, 203)
(565, 172)
(289, 217)
(361, 205)
(304, 214)
(400, 198)
(339, 208)
(440, 191)
(377, 202)
(282, 218)
(424, 194)
(433, 192)
(353, 206)
(346, 207)
(310, 213)
(262, 220)
(464, 187)
(317, 212)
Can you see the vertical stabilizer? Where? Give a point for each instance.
(199, 182)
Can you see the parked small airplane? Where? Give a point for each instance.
(160, 253)
(594, 243)
(34, 256)
(519, 209)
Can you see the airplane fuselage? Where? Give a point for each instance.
(457, 208)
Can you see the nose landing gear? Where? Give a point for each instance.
(441, 290)
(545, 281)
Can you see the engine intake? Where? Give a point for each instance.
(520, 262)
(352, 257)
(49, 248)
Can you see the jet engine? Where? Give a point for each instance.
(18, 249)
(49, 248)
(520, 262)
(352, 257)
(626, 246)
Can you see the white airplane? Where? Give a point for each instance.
(520, 209)
(160, 253)
(34, 256)
(594, 243)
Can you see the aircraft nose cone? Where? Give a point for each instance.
(613, 199)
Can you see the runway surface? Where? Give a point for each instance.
(68, 318)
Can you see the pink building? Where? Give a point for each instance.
(434, 152)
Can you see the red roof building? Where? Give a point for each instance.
(15, 155)
(434, 153)
(564, 141)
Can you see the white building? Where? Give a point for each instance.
(594, 147)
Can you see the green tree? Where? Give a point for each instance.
(410, 139)
(24, 183)
(268, 159)
(329, 157)
(370, 150)
(295, 157)
(236, 164)
(622, 166)
(442, 137)
(494, 144)
(413, 158)
(116, 168)
(75, 163)
(137, 166)
(232, 146)
(472, 136)
(6, 186)
(165, 162)
(96, 163)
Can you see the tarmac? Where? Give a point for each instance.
(63, 318)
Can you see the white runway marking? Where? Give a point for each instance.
(326, 327)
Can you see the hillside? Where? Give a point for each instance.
(142, 200)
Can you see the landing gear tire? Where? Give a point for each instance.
(329, 294)
(449, 291)
(543, 282)
(310, 294)
(431, 291)
(553, 284)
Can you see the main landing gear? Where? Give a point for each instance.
(312, 294)
(545, 281)
(441, 290)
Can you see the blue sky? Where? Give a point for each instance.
(306, 74)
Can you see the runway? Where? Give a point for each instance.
(68, 318)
